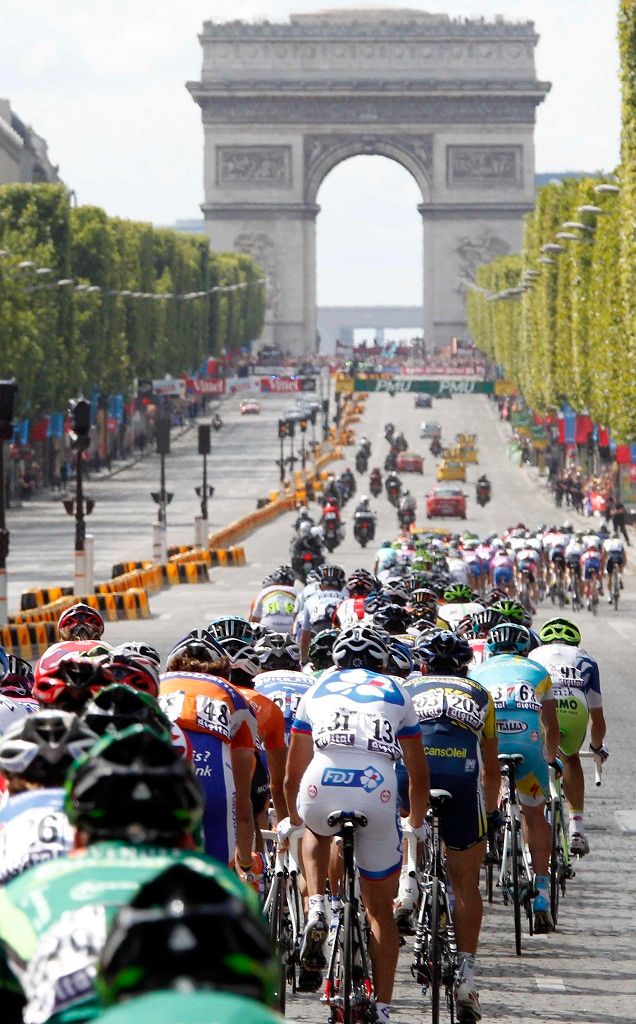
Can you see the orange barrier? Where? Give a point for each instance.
(133, 604)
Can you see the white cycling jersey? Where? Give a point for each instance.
(454, 613)
(614, 547)
(12, 709)
(33, 828)
(274, 607)
(319, 609)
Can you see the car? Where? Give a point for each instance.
(430, 428)
(409, 462)
(444, 500)
(450, 470)
(250, 407)
(424, 401)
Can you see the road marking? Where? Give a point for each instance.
(165, 616)
(550, 984)
(627, 821)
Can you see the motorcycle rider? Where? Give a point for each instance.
(217, 422)
(483, 485)
(407, 507)
(363, 507)
(348, 481)
(392, 482)
(375, 480)
(303, 517)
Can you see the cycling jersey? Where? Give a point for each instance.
(12, 709)
(202, 1007)
(350, 612)
(274, 607)
(614, 548)
(518, 687)
(573, 668)
(54, 919)
(573, 552)
(270, 727)
(214, 719)
(356, 719)
(455, 714)
(319, 609)
(458, 570)
(501, 566)
(452, 614)
(284, 688)
(33, 828)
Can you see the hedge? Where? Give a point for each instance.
(58, 341)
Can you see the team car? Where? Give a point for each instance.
(444, 500)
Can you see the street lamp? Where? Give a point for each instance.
(80, 412)
(8, 391)
(162, 497)
(204, 491)
(283, 432)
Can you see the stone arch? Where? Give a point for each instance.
(323, 153)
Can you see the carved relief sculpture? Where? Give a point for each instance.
(254, 166)
(261, 247)
(472, 252)
(484, 166)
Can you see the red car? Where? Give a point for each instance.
(250, 407)
(446, 501)
(409, 462)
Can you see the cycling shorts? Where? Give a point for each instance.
(212, 762)
(573, 714)
(612, 563)
(528, 566)
(591, 567)
(532, 774)
(260, 792)
(356, 782)
(558, 560)
(501, 574)
(574, 565)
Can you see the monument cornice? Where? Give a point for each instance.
(458, 210)
(260, 211)
(354, 30)
(370, 86)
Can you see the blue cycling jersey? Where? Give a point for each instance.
(285, 689)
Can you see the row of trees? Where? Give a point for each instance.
(59, 341)
(562, 324)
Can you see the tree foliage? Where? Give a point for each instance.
(59, 341)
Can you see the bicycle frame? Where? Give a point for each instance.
(284, 909)
(515, 859)
(560, 860)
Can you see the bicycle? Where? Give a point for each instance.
(348, 989)
(515, 872)
(575, 587)
(283, 909)
(593, 592)
(561, 870)
(614, 586)
(434, 947)
(557, 587)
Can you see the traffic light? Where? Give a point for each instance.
(204, 439)
(291, 426)
(162, 435)
(282, 429)
(80, 412)
(8, 391)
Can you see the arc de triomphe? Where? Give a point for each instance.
(452, 101)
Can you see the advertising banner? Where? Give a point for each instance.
(430, 387)
(280, 385)
(205, 386)
(169, 387)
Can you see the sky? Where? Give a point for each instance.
(104, 84)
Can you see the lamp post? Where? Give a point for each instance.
(204, 490)
(8, 390)
(303, 453)
(162, 497)
(280, 462)
(80, 412)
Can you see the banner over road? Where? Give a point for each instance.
(440, 386)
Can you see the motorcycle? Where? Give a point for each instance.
(406, 517)
(482, 492)
(375, 484)
(401, 443)
(391, 461)
(393, 490)
(306, 554)
(364, 528)
(331, 531)
(348, 482)
(362, 461)
(389, 432)
(365, 446)
(436, 447)
(217, 422)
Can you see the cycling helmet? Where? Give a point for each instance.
(135, 787)
(41, 747)
(69, 683)
(393, 618)
(479, 624)
(4, 663)
(284, 575)
(16, 675)
(80, 622)
(132, 670)
(423, 603)
(510, 610)
(361, 647)
(200, 645)
(508, 638)
(457, 593)
(361, 582)
(277, 651)
(399, 590)
(117, 706)
(143, 650)
(184, 924)
(332, 576)
(231, 627)
(493, 595)
(560, 631)
(321, 648)
(444, 652)
(244, 663)
(401, 662)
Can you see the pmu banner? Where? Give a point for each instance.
(429, 387)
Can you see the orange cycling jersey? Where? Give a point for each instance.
(270, 720)
(208, 704)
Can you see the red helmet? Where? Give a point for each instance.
(132, 670)
(69, 673)
(80, 622)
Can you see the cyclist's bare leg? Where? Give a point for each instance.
(316, 851)
(463, 870)
(574, 782)
(336, 869)
(537, 832)
(378, 895)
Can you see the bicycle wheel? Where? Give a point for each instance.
(276, 928)
(516, 894)
(616, 588)
(556, 860)
(346, 963)
(434, 953)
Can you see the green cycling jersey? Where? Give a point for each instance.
(172, 1007)
(55, 916)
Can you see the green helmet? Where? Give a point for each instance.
(560, 631)
(134, 786)
(510, 609)
(421, 563)
(457, 593)
(191, 923)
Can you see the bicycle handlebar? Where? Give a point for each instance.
(598, 765)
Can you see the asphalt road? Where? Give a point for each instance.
(587, 970)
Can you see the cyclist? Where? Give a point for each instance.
(320, 652)
(187, 949)
(615, 557)
(573, 552)
(274, 605)
(501, 567)
(475, 628)
(459, 601)
(219, 729)
(319, 608)
(134, 802)
(457, 717)
(525, 708)
(575, 674)
(35, 755)
(80, 622)
(528, 566)
(15, 690)
(359, 585)
(591, 564)
(350, 728)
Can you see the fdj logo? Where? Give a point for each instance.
(361, 778)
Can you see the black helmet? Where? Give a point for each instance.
(231, 627)
(332, 576)
(361, 647)
(142, 649)
(393, 618)
(321, 648)
(184, 924)
(479, 623)
(445, 652)
(361, 582)
(277, 651)
(284, 575)
(41, 747)
(116, 707)
(424, 603)
(136, 787)
(200, 645)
